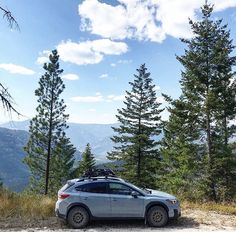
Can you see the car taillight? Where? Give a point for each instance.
(63, 195)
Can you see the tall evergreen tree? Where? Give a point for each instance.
(87, 162)
(140, 124)
(181, 161)
(62, 163)
(49, 151)
(206, 85)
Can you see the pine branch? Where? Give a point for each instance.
(7, 100)
(10, 18)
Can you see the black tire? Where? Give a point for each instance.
(78, 217)
(157, 216)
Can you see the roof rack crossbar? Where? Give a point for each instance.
(99, 172)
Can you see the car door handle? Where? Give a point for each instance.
(114, 199)
(85, 198)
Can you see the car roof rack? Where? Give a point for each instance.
(105, 172)
(96, 174)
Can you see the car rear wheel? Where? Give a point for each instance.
(78, 217)
(157, 216)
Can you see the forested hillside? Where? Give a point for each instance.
(12, 142)
(13, 172)
(98, 135)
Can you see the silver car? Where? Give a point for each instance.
(82, 200)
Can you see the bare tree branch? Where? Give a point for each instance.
(7, 100)
(5, 97)
(10, 18)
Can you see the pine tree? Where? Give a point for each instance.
(136, 137)
(181, 163)
(87, 162)
(49, 152)
(206, 85)
(62, 164)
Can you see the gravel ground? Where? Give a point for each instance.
(191, 221)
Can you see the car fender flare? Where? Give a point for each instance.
(156, 203)
(81, 205)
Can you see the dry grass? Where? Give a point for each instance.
(229, 208)
(25, 206)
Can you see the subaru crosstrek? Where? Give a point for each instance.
(82, 200)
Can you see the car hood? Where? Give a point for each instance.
(156, 193)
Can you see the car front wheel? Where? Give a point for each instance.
(157, 216)
(78, 217)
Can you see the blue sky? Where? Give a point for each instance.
(101, 44)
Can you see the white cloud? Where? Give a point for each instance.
(89, 52)
(70, 76)
(116, 97)
(121, 62)
(16, 69)
(43, 57)
(100, 118)
(88, 99)
(98, 98)
(92, 110)
(222, 5)
(161, 99)
(157, 88)
(143, 20)
(124, 61)
(103, 76)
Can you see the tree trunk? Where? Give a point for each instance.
(139, 154)
(49, 141)
(210, 161)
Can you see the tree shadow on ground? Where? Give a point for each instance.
(102, 225)
(183, 222)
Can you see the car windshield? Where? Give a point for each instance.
(147, 191)
(143, 191)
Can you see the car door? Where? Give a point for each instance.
(123, 204)
(96, 198)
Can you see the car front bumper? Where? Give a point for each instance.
(174, 213)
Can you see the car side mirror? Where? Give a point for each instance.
(134, 194)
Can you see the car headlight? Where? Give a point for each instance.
(172, 201)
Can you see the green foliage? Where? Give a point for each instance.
(49, 152)
(140, 124)
(87, 162)
(181, 158)
(199, 130)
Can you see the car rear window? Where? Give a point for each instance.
(66, 186)
(98, 187)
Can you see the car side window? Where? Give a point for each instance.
(93, 188)
(116, 188)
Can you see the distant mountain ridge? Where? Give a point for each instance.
(13, 173)
(14, 136)
(98, 135)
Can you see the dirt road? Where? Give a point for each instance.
(191, 221)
